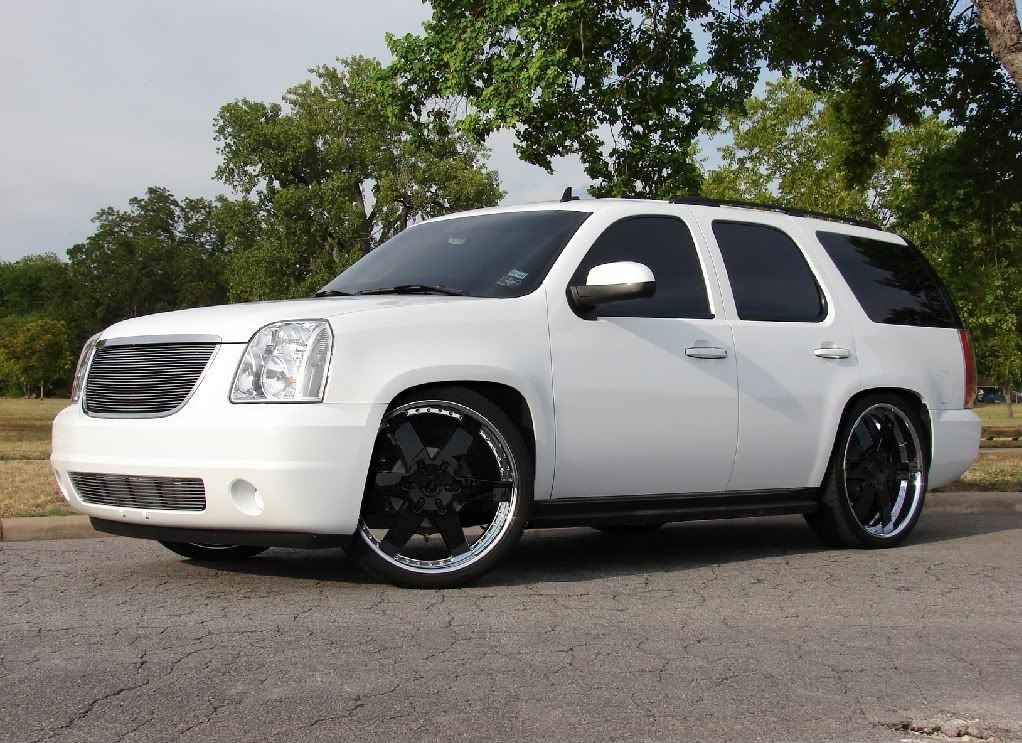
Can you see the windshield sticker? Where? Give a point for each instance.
(456, 240)
(514, 277)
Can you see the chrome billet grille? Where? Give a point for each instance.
(132, 491)
(144, 380)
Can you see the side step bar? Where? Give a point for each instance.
(665, 507)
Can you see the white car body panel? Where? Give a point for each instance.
(615, 405)
(787, 395)
(635, 415)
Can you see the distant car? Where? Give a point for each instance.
(612, 363)
(990, 396)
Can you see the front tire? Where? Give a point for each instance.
(448, 492)
(875, 485)
(214, 552)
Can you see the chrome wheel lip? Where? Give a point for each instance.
(910, 490)
(502, 517)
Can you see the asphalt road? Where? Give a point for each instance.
(742, 631)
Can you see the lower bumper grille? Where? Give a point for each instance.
(131, 491)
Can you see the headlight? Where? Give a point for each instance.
(83, 365)
(285, 362)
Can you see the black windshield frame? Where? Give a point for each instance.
(494, 255)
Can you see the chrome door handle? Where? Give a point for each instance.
(706, 352)
(832, 352)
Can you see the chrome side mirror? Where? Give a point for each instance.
(613, 282)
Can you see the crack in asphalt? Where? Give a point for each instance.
(738, 631)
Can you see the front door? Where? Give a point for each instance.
(645, 393)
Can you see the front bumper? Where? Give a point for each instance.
(307, 462)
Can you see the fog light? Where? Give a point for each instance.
(246, 498)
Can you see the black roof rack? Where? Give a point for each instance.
(789, 210)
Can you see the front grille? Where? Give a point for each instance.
(150, 493)
(144, 380)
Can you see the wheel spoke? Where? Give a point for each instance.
(407, 440)
(459, 443)
(907, 471)
(449, 526)
(475, 489)
(388, 484)
(855, 469)
(886, 503)
(864, 504)
(404, 526)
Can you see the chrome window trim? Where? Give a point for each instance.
(215, 339)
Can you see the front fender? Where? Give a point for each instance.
(380, 354)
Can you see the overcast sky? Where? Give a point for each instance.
(100, 99)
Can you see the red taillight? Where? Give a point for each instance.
(969, 361)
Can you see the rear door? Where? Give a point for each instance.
(796, 357)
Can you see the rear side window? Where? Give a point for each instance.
(893, 283)
(770, 278)
(665, 245)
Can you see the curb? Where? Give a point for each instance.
(32, 528)
(973, 502)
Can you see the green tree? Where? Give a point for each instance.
(788, 148)
(330, 174)
(37, 354)
(160, 254)
(34, 285)
(930, 185)
(629, 85)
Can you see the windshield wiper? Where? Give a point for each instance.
(415, 289)
(332, 293)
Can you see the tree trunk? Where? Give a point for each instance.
(42, 391)
(999, 19)
(1007, 397)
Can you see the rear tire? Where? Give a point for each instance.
(875, 486)
(448, 492)
(214, 552)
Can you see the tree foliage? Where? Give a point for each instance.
(160, 254)
(568, 76)
(330, 174)
(36, 354)
(929, 186)
(33, 285)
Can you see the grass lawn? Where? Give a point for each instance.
(27, 487)
(996, 416)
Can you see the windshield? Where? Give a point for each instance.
(490, 255)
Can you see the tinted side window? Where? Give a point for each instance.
(893, 283)
(665, 245)
(770, 278)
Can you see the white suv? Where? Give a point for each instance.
(612, 363)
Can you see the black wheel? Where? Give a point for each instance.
(626, 529)
(875, 486)
(448, 492)
(214, 552)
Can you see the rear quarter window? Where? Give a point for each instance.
(893, 283)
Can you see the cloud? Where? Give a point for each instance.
(102, 99)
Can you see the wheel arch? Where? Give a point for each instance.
(913, 399)
(535, 427)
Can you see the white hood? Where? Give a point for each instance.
(236, 323)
